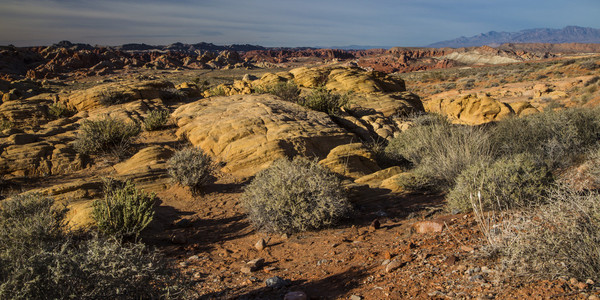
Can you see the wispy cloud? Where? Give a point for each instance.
(276, 22)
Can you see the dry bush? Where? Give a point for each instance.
(554, 137)
(156, 119)
(172, 94)
(59, 110)
(287, 91)
(39, 259)
(296, 195)
(105, 136)
(110, 97)
(191, 167)
(439, 150)
(507, 183)
(561, 237)
(124, 211)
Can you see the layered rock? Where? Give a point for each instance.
(248, 132)
(470, 109)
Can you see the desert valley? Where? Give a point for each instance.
(199, 171)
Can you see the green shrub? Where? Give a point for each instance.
(124, 211)
(172, 94)
(414, 182)
(156, 119)
(439, 150)
(292, 196)
(554, 137)
(108, 134)
(59, 110)
(560, 238)
(512, 182)
(40, 259)
(324, 100)
(219, 90)
(191, 167)
(287, 91)
(110, 97)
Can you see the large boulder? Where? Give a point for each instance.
(351, 160)
(248, 132)
(470, 109)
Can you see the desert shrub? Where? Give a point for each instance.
(29, 223)
(439, 150)
(59, 110)
(592, 80)
(124, 211)
(561, 237)
(414, 181)
(296, 195)
(104, 135)
(40, 259)
(324, 100)
(287, 91)
(219, 90)
(509, 182)
(589, 65)
(191, 167)
(172, 94)
(554, 137)
(156, 119)
(110, 97)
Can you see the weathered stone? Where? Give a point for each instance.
(428, 226)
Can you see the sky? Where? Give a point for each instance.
(280, 23)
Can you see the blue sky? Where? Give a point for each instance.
(279, 22)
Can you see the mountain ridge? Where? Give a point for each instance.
(568, 34)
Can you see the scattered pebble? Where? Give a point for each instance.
(322, 261)
(385, 262)
(299, 295)
(276, 282)
(356, 297)
(193, 258)
(260, 245)
(393, 265)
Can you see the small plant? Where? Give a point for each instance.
(104, 135)
(296, 195)
(59, 110)
(172, 94)
(110, 97)
(219, 90)
(507, 183)
(287, 91)
(124, 211)
(6, 124)
(191, 167)
(323, 100)
(156, 119)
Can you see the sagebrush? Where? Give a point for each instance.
(156, 119)
(106, 135)
(287, 91)
(191, 167)
(324, 100)
(295, 195)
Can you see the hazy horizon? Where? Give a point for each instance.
(272, 23)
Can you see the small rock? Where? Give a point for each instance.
(179, 239)
(257, 262)
(428, 226)
(590, 282)
(183, 223)
(375, 225)
(593, 297)
(581, 285)
(193, 258)
(477, 277)
(276, 282)
(260, 245)
(183, 264)
(246, 270)
(573, 281)
(270, 269)
(466, 248)
(253, 279)
(322, 261)
(385, 262)
(299, 295)
(451, 260)
(393, 265)
(285, 236)
(355, 297)
(387, 255)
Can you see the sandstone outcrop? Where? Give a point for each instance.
(351, 160)
(470, 109)
(248, 132)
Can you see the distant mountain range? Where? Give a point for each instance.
(569, 34)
